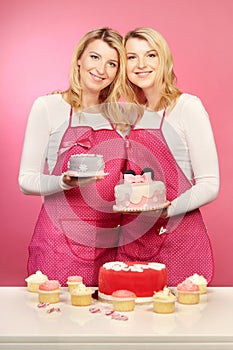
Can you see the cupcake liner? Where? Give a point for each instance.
(164, 306)
(81, 300)
(188, 298)
(123, 305)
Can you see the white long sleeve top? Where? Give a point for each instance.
(194, 149)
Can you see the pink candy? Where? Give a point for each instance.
(49, 311)
(111, 312)
(94, 310)
(116, 316)
(53, 309)
(42, 305)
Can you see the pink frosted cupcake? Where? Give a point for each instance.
(34, 280)
(200, 281)
(123, 300)
(73, 282)
(49, 292)
(164, 301)
(188, 293)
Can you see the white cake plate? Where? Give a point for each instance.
(134, 211)
(87, 174)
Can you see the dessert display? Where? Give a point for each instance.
(123, 300)
(81, 295)
(188, 293)
(49, 292)
(73, 282)
(140, 192)
(122, 285)
(84, 165)
(164, 301)
(141, 278)
(200, 281)
(34, 280)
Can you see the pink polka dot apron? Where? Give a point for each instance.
(77, 230)
(181, 242)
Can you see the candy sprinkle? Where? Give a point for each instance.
(94, 310)
(42, 305)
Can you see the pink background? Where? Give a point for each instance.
(37, 42)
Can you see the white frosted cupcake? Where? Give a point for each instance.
(200, 281)
(164, 301)
(73, 282)
(34, 280)
(81, 295)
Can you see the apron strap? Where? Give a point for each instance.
(163, 117)
(71, 114)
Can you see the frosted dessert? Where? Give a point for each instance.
(188, 293)
(86, 165)
(123, 300)
(140, 192)
(200, 281)
(49, 292)
(34, 280)
(164, 301)
(73, 282)
(81, 295)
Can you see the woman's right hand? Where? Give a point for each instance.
(80, 181)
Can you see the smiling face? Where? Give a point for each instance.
(142, 63)
(98, 66)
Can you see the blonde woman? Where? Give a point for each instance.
(76, 231)
(174, 137)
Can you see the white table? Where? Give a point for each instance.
(208, 325)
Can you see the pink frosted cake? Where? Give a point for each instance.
(140, 192)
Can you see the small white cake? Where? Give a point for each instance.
(84, 165)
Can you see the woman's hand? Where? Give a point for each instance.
(80, 181)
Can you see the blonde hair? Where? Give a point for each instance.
(166, 77)
(110, 95)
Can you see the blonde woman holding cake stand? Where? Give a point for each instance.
(76, 231)
(175, 139)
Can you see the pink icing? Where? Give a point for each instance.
(123, 293)
(187, 286)
(75, 279)
(49, 285)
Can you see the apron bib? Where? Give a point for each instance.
(184, 246)
(77, 230)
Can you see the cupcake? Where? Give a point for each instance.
(200, 281)
(123, 300)
(34, 280)
(81, 295)
(164, 301)
(188, 293)
(49, 292)
(73, 282)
